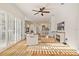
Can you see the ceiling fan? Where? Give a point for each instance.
(41, 10)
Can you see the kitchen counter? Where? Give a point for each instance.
(31, 39)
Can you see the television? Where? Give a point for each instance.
(60, 26)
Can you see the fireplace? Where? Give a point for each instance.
(58, 37)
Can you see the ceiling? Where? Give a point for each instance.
(27, 8)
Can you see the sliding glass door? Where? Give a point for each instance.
(18, 29)
(3, 41)
(10, 30)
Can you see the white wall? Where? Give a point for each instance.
(70, 14)
(53, 24)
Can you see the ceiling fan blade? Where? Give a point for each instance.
(42, 14)
(36, 13)
(46, 11)
(41, 9)
(35, 10)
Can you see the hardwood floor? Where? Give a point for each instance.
(49, 49)
(42, 49)
(47, 40)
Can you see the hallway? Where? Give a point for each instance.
(42, 49)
